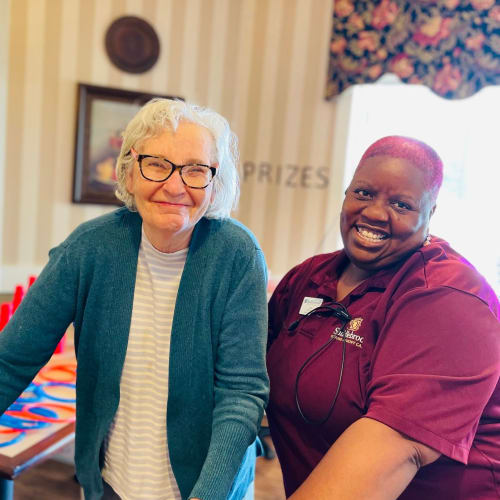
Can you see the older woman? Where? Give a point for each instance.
(168, 300)
(384, 357)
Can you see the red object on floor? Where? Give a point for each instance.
(18, 297)
(5, 314)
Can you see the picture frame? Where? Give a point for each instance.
(102, 115)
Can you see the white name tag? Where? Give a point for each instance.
(310, 303)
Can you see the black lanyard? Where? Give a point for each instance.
(339, 311)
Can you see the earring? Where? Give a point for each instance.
(427, 240)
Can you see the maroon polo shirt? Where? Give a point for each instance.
(422, 356)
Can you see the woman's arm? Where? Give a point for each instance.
(30, 337)
(370, 460)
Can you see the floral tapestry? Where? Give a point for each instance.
(451, 46)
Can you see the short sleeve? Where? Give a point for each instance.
(434, 368)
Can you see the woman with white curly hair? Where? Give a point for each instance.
(168, 300)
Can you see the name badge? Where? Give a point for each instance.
(310, 303)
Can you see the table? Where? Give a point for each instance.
(37, 445)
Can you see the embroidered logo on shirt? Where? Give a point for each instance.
(350, 336)
(354, 324)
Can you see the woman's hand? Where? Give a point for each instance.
(370, 460)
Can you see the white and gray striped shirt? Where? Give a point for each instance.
(137, 463)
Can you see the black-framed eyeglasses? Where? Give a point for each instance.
(158, 169)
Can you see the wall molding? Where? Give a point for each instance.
(10, 276)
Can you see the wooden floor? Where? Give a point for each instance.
(53, 480)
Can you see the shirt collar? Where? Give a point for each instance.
(327, 276)
(380, 280)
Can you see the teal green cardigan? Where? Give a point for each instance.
(218, 384)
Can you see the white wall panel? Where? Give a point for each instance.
(261, 63)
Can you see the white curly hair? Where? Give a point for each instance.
(161, 114)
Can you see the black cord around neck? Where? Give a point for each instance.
(340, 312)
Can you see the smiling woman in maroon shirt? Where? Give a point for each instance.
(384, 357)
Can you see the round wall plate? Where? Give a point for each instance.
(132, 44)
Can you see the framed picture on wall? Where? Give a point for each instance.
(103, 114)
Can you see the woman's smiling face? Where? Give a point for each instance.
(170, 209)
(386, 211)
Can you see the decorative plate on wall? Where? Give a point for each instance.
(132, 44)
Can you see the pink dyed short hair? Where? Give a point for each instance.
(417, 152)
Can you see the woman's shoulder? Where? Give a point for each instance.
(439, 265)
(229, 231)
(444, 265)
(103, 228)
(320, 269)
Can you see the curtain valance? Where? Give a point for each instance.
(451, 46)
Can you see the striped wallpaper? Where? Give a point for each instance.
(261, 63)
